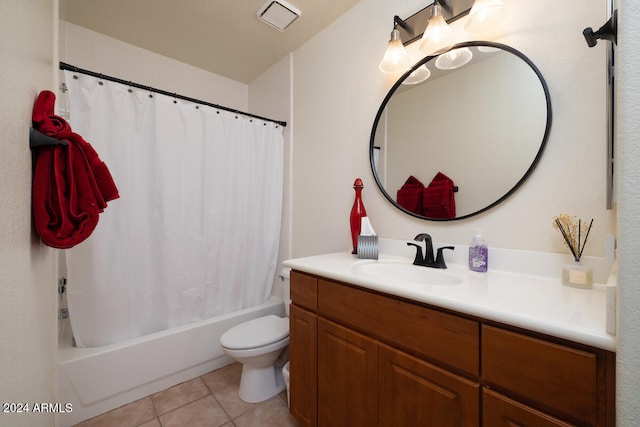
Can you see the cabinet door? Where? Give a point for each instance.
(415, 393)
(303, 365)
(500, 411)
(347, 377)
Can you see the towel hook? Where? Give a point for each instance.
(38, 139)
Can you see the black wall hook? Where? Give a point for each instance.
(38, 139)
(609, 31)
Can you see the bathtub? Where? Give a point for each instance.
(96, 380)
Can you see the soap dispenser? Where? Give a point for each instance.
(478, 253)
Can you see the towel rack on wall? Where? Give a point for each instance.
(68, 67)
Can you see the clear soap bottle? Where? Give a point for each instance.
(478, 254)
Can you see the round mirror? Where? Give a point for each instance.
(464, 139)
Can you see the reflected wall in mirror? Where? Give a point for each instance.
(483, 126)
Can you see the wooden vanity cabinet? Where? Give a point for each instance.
(303, 349)
(373, 364)
(360, 358)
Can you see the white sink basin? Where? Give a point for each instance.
(397, 272)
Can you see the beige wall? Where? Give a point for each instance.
(337, 91)
(27, 268)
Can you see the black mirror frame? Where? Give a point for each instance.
(526, 175)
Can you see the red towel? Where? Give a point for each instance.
(71, 185)
(409, 196)
(438, 198)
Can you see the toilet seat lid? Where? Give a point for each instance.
(256, 333)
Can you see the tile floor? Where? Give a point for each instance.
(210, 400)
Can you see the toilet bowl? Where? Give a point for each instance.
(258, 344)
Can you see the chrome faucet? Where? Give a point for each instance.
(427, 260)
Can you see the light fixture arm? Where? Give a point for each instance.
(402, 23)
(443, 5)
(609, 31)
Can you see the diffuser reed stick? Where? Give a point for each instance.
(572, 232)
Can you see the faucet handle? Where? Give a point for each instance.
(440, 257)
(419, 259)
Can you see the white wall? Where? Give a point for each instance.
(270, 96)
(27, 268)
(628, 174)
(337, 91)
(97, 52)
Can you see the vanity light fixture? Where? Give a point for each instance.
(396, 59)
(438, 37)
(430, 25)
(486, 15)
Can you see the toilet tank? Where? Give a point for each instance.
(286, 286)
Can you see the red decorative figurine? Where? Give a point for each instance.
(357, 212)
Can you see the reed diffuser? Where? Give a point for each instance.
(575, 234)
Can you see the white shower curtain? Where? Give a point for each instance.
(195, 232)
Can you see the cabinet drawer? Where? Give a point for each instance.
(304, 290)
(499, 410)
(563, 380)
(449, 340)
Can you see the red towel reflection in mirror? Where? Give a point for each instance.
(438, 198)
(409, 196)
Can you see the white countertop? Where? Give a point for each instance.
(536, 303)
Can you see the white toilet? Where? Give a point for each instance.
(258, 344)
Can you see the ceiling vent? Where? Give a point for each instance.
(278, 14)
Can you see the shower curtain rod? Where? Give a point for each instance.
(68, 67)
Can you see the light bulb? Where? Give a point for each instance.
(454, 59)
(419, 75)
(396, 59)
(486, 15)
(438, 37)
